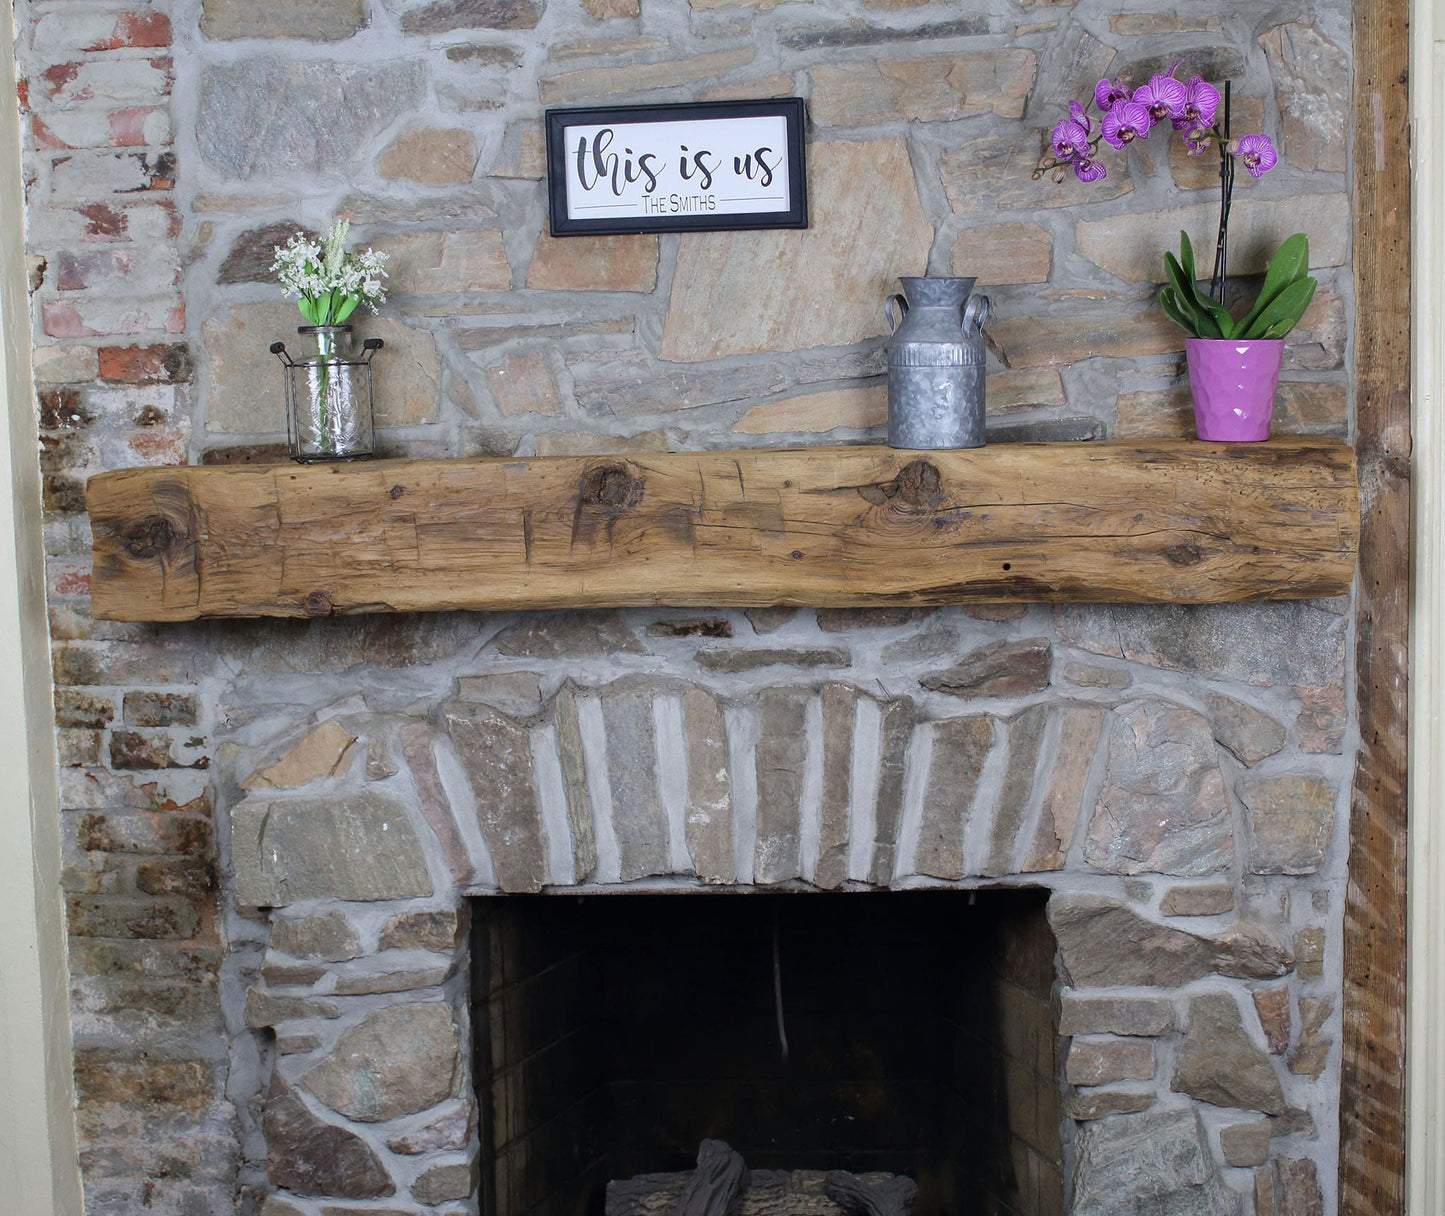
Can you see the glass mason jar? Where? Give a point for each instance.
(328, 397)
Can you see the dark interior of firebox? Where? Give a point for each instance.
(906, 1032)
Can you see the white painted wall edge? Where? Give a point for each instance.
(1425, 1008)
(39, 1165)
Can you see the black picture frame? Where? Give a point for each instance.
(559, 121)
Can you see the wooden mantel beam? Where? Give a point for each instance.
(1167, 521)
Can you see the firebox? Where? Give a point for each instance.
(907, 1032)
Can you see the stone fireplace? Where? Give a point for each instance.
(1095, 895)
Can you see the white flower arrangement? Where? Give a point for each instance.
(327, 283)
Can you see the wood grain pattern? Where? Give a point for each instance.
(1166, 521)
(1372, 1083)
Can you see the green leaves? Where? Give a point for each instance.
(1286, 293)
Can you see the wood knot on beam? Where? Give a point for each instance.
(610, 487)
(919, 484)
(318, 603)
(150, 537)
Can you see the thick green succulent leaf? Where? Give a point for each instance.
(1170, 304)
(1289, 264)
(1284, 311)
(1205, 326)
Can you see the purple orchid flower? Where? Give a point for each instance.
(1070, 139)
(1107, 92)
(1086, 169)
(1125, 122)
(1257, 153)
(1201, 103)
(1163, 96)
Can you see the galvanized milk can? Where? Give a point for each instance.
(936, 364)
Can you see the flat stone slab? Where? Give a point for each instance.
(358, 847)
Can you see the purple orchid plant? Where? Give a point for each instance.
(1192, 108)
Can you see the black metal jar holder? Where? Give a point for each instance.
(329, 410)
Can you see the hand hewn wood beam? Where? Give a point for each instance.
(1145, 522)
(1372, 1055)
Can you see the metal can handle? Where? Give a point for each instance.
(897, 301)
(976, 312)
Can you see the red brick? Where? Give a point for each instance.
(68, 578)
(104, 916)
(62, 409)
(129, 749)
(161, 709)
(153, 833)
(61, 320)
(165, 364)
(176, 876)
(137, 29)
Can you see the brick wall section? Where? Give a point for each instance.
(113, 373)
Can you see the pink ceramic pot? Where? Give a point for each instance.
(1234, 383)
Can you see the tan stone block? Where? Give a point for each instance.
(592, 443)
(430, 155)
(1004, 253)
(589, 83)
(1321, 722)
(1290, 819)
(761, 5)
(1104, 330)
(523, 154)
(594, 263)
(1063, 802)
(1214, 899)
(313, 20)
(826, 283)
(65, 365)
(1312, 87)
(936, 88)
(1086, 675)
(405, 375)
(1317, 343)
(1162, 23)
(1272, 1007)
(1246, 1144)
(1131, 245)
(1309, 951)
(743, 90)
(993, 171)
(473, 259)
(523, 385)
(1029, 389)
(322, 753)
(1246, 117)
(605, 9)
(853, 408)
(1101, 1061)
(611, 48)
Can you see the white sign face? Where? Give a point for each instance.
(681, 168)
(719, 166)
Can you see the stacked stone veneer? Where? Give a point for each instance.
(170, 145)
(1184, 823)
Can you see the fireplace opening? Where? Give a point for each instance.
(907, 1032)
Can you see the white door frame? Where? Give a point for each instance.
(39, 1166)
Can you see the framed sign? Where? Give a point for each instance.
(677, 168)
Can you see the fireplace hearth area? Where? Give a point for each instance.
(907, 1033)
(1042, 926)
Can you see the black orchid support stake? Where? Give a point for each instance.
(1226, 200)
